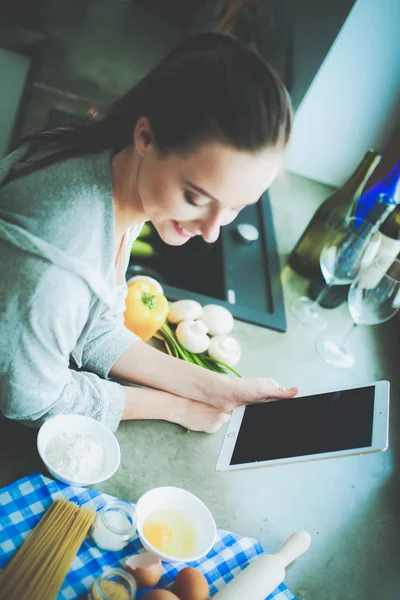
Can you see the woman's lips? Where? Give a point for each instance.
(182, 231)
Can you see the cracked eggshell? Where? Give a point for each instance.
(145, 569)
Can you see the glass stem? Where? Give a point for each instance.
(320, 296)
(346, 337)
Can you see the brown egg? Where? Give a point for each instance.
(145, 568)
(190, 584)
(160, 595)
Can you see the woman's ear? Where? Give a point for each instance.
(143, 137)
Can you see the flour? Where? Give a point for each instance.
(76, 457)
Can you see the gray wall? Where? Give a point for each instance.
(316, 23)
(312, 25)
(353, 103)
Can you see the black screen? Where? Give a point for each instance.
(303, 426)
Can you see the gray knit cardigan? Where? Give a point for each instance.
(61, 312)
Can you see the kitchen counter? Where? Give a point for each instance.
(351, 505)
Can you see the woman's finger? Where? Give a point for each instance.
(279, 393)
(276, 391)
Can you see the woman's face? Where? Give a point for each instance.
(199, 193)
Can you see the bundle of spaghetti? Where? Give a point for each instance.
(39, 567)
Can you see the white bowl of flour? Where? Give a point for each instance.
(78, 450)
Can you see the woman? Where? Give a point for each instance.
(197, 139)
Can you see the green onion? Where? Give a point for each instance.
(202, 360)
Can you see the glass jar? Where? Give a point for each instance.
(115, 584)
(115, 525)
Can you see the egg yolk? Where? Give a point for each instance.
(158, 534)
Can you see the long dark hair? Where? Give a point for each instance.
(209, 88)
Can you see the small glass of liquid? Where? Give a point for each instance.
(341, 259)
(115, 525)
(115, 584)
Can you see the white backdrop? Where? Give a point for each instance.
(354, 101)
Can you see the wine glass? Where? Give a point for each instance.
(341, 257)
(373, 298)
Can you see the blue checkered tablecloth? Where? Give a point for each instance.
(23, 503)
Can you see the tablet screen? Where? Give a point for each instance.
(308, 425)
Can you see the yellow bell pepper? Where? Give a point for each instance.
(146, 309)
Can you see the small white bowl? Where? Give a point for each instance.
(190, 507)
(77, 424)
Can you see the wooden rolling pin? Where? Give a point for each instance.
(266, 572)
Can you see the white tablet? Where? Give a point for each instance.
(329, 424)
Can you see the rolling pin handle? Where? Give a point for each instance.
(298, 543)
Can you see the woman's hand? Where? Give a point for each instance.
(156, 404)
(197, 416)
(147, 366)
(230, 392)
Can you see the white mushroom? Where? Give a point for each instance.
(218, 319)
(203, 325)
(184, 310)
(192, 335)
(225, 349)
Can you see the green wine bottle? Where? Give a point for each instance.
(389, 248)
(304, 258)
(390, 234)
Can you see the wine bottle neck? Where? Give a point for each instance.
(367, 167)
(382, 208)
(362, 173)
(394, 174)
(391, 226)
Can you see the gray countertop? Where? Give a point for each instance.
(350, 505)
